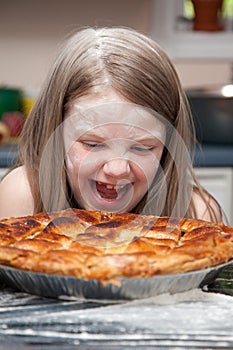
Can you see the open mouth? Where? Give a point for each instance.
(111, 192)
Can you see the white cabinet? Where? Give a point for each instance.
(219, 183)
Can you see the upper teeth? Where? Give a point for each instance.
(111, 187)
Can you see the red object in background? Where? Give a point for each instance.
(14, 121)
(207, 15)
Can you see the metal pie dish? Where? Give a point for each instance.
(69, 287)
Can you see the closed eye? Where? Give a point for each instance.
(142, 149)
(91, 145)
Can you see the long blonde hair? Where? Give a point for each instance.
(139, 70)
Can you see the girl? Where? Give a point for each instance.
(111, 130)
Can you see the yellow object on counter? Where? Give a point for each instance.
(4, 133)
(28, 103)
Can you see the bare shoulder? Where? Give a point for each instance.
(206, 207)
(15, 194)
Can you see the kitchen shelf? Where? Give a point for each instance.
(187, 44)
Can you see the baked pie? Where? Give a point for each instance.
(106, 246)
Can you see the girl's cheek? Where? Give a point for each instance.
(73, 160)
(69, 163)
(146, 168)
(81, 162)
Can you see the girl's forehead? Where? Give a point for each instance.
(119, 130)
(116, 118)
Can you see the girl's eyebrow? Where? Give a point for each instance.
(91, 134)
(150, 139)
(146, 138)
(153, 136)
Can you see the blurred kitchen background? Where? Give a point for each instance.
(30, 35)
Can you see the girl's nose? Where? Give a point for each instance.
(117, 168)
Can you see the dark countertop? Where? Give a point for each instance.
(196, 319)
(212, 155)
(209, 155)
(8, 155)
(190, 320)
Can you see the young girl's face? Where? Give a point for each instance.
(113, 151)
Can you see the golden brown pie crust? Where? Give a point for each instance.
(105, 246)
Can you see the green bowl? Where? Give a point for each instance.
(10, 100)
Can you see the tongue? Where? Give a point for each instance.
(106, 192)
